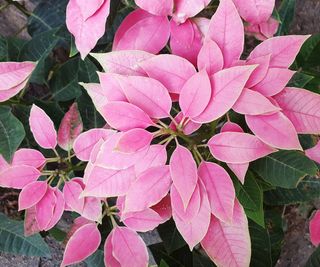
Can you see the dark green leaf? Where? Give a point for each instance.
(309, 55)
(58, 234)
(11, 133)
(163, 264)
(96, 259)
(314, 259)
(307, 190)
(261, 246)
(284, 168)
(12, 239)
(300, 80)
(201, 260)
(286, 14)
(47, 15)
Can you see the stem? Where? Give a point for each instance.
(163, 124)
(56, 152)
(174, 121)
(48, 160)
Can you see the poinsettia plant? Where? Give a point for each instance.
(167, 122)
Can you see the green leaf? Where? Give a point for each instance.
(96, 259)
(307, 190)
(251, 198)
(163, 264)
(47, 15)
(284, 168)
(38, 49)
(286, 14)
(12, 239)
(300, 80)
(261, 246)
(309, 55)
(11, 133)
(314, 259)
(57, 234)
(201, 261)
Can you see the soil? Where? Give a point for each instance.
(296, 248)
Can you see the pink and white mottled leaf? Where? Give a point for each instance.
(275, 130)
(104, 182)
(123, 62)
(153, 184)
(141, 30)
(255, 11)
(203, 25)
(314, 153)
(226, 29)
(229, 244)
(112, 85)
(96, 93)
(274, 82)
(220, 190)
(12, 74)
(45, 208)
(195, 230)
(72, 191)
(92, 209)
(269, 28)
(172, 71)
(85, 142)
(70, 128)
(195, 94)
(86, 30)
(18, 176)
(84, 242)
(29, 157)
(185, 9)
(185, 40)
(31, 226)
(58, 209)
(109, 259)
(3, 164)
(302, 108)
(283, 49)
(237, 148)
(42, 128)
(231, 127)
(227, 86)
(31, 194)
(125, 116)
(155, 101)
(183, 169)
(134, 140)
(253, 103)
(128, 248)
(89, 8)
(210, 57)
(260, 72)
(156, 156)
(314, 228)
(156, 7)
(163, 208)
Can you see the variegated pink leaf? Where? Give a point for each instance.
(219, 187)
(104, 182)
(3, 164)
(194, 231)
(84, 242)
(153, 184)
(155, 101)
(42, 128)
(85, 142)
(7, 94)
(141, 30)
(253, 103)
(231, 127)
(172, 71)
(12, 74)
(70, 127)
(45, 208)
(203, 25)
(128, 248)
(260, 72)
(156, 156)
(163, 208)
(92, 209)
(29, 157)
(195, 94)
(87, 29)
(185, 40)
(235, 147)
(229, 244)
(314, 153)
(156, 7)
(72, 191)
(269, 28)
(302, 108)
(185, 9)
(283, 49)
(255, 11)
(109, 259)
(31, 226)
(226, 29)
(96, 93)
(112, 85)
(18, 176)
(227, 86)
(125, 116)
(31, 194)
(58, 209)
(134, 140)
(314, 228)
(183, 169)
(274, 82)
(210, 57)
(275, 130)
(123, 62)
